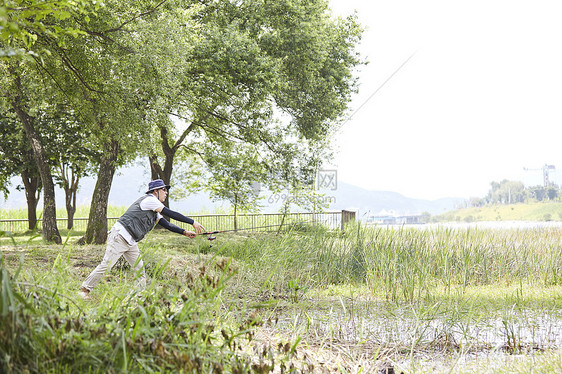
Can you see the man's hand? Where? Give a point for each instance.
(189, 234)
(198, 227)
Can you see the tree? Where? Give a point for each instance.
(69, 156)
(537, 192)
(169, 148)
(250, 63)
(18, 97)
(95, 69)
(506, 192)
(476, 202)
(302, 195)
(16, 158)
(23, 23)
(60, 127)
(233, 177)
(552, 192)
(228, 68)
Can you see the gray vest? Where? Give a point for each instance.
(138, 222)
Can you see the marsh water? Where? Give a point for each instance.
(428, 341)
(518, 329)
(499, 225)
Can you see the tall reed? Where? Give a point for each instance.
(407, 263)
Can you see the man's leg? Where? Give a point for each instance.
(116, 246)
(133, 258)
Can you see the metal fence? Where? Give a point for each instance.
(218, 222)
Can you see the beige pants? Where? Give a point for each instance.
(117, 247)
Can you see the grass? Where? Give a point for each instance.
(538, 211)
(176, 325)
(420, 301)
(81, 211)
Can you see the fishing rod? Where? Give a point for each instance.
(211, 233)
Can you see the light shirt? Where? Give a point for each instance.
(150, 203)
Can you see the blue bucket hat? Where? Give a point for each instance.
(157, 184)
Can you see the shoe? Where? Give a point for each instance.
(84, 293)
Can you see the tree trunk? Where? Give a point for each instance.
(50, 230)
(71, 209)
(156, 170)
(235, 212)
(166, 173)
(96, 232)
(70, 190)
(32, 193)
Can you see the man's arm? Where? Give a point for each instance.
(170, 226)
(180, 217)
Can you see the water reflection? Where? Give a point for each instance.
(499, 225)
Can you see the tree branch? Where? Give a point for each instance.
(219, 132)
(137, 16)
(105, 37)
(184, 135)
(221, 117)
(66, 60)
(196, 152)
(40, 66)
(155, 166)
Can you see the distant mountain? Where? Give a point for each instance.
(130, 183)
(374, 202)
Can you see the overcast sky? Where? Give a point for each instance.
(479, 100)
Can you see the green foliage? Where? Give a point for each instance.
(15, 152)
(303, 196)
(276, 76)
(235, 176)
(506, 192)
(22, 20)
(42, 330)
(513, 192)
(273, 76)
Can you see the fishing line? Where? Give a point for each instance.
(378, 89)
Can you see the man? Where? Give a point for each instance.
(138, 220)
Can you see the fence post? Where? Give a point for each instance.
(346, 216)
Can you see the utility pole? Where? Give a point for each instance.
(546, 173)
